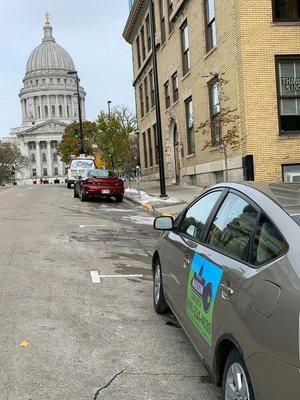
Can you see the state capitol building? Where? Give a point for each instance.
(48, 102)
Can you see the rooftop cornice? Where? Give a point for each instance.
(135, 12)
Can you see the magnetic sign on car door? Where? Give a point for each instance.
(203, 284)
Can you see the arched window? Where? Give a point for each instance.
(53, 110)
(60, 110)
(46, 112)
(54, 144)
(32, 157)
(44, 158)
(32, 145)
(55, 157)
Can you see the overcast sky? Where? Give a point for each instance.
(91, 32)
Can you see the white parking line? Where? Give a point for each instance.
(88, 226)
(96, 278)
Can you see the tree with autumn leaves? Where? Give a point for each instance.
(222, 130)
(111, 139)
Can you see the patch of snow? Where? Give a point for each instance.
(140, 220)
(147, 198)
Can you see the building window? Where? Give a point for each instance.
(286, 10)
(190, 125)
(54, 144)
(142, 101)
(289, 94)
(167, 95)
(43, 80)
(170, 10)
(32, 158)
(53, 111)
(60, 110)
(55, 159)
(143, 43)
(46, 112)
(65, 80)
(210, 23)
(148, 33)
(138, 51)
(215, 108)
(44, 158)
(39, 112)
(152, 90)
(150, 147)
(145, 151)
(55, 171)
(43, 145)
(68, 111)
(36, 81)
(45, 172)
(291, 173)
(175, 86)
(155, 143)
(186, 62)
(162, 22)
(32, 145)
(146, 94)
(34, 172)
(58, 80)
(51, 80)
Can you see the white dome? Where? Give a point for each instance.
(49, 56)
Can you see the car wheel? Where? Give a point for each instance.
(160, 304)
(83, 197)
(236, 380)
(69, 185)
(76, 195)
(119, 199)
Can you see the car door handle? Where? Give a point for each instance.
(226, 292)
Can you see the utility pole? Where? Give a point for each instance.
(81, 150)
(160, 149)
(108, 104)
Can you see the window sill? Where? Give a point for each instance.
(285, 23)
(210, 52)
(191, 155)
(289, 135)
(186, 75)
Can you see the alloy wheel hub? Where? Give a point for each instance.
(237, 387)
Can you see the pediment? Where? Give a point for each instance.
(50, 127)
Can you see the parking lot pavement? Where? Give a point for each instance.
(65, 337)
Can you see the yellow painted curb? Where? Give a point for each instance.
(147, 206)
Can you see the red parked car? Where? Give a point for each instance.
(100, 183)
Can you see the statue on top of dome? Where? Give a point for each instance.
(47, 21)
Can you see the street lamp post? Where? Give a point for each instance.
(79, 112)
(108, 104)
(160, 149)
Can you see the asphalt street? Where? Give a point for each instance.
(63, 336)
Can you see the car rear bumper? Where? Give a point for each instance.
(100, 191)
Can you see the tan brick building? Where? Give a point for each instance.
(257, 46)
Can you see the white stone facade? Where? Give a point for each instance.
(49, 103)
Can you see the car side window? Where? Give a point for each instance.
(233, 227)
(269, 243)
(197, 215)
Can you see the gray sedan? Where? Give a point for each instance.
(228, 267)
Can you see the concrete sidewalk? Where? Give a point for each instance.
(183, 195)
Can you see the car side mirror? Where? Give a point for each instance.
(164, 223)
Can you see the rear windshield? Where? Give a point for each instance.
(101, 173)
(296, 218)
(82, 164)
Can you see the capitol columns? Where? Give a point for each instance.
(38, 160)
(49, 159)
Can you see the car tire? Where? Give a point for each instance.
(76, 195)
(83, 197)
(69, 185)
(159, 301)
(119, 199)
(236, 371)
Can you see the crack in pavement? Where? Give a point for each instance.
(108, 384)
